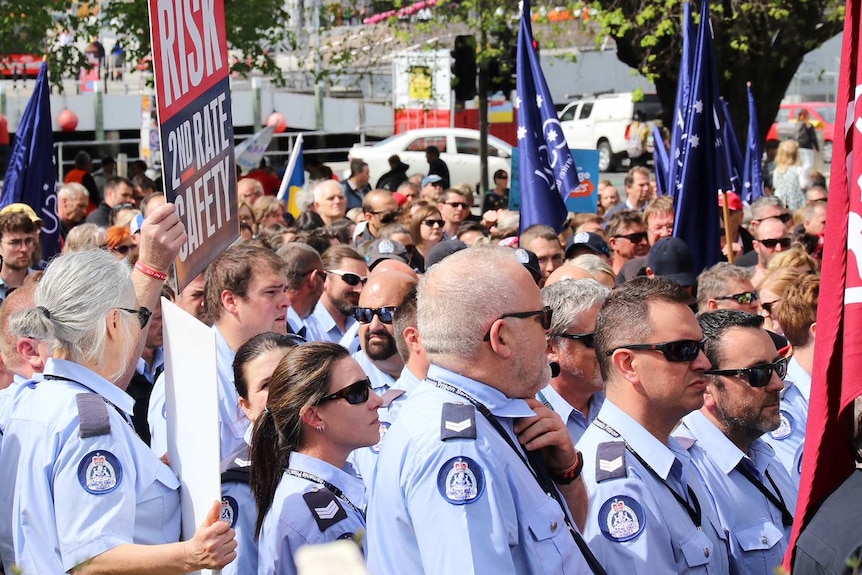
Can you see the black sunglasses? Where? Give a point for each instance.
(545, 314)
(588, 339)
(349, 278)
(743, 298)
(767, 305)
(142, 313)
(784, 218)
(771, 243)
(434, 223)
(366, 314)
(676, 351)
(757, 375)
(463, 205)
(355, 393)
(122, 250)
(634, 238)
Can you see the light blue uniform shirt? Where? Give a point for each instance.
(292, 522)
(232, 421)
(157, 418)
(758, 538)
(635, 525)
(364, 459)
(321, 326)
(575, 421)
(788, 440)
(73, 498)
(158, 362)
(239, 509)
(8, 398)
(295, 322)
(462, 505)
(380, 380)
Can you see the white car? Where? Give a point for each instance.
(459, 148)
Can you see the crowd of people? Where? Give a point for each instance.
(448, 392)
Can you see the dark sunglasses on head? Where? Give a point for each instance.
(463, 205)
(771, 243)
(366, 314)
(757, 375)
(588, 339)
(676, 351)
(142, 313)
(743, 298)
(434, 223)
(634, 238)
(355, 393)
(545, 315)
(349, 278)
(767, 305)
(784, 218)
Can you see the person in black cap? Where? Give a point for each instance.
(396, 175)
(530, 261)
(587, 243)
(670, 258)
(384, 249)
(442, 250)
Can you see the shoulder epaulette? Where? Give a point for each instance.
(92, 415)
(325, 508)
(458, 421)
(237, 475)
(611, 461)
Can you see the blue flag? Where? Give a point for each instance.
(704, 169)
(752, 176)
(732, 154)
(547, 171)
(31, 175)
(680, 112)
(660, 159)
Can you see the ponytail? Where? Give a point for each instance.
(268, 459)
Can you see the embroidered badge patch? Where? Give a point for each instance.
(229, 510)
(100, 472)
(384, 427)
(522, 256)
(461, 481)
(785, 427)
(621, 518)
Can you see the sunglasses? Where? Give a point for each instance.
(588, 339)
(757, 375)
(355, 393)
(634, 238)
(349, 278)
(545, 314)
(142, 313)
(122, 250)
(680, 351)
(366, 314)
(462, 205)
(784, 218)
(743, 298)
(771, 243)
(434, 223)
(767, 305)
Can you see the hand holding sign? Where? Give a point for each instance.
(214, 543)
(162, 236)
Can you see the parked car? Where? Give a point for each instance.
(601, 123)
(822, 118)
(459, 148)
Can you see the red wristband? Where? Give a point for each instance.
(573, 472)
(144, 269)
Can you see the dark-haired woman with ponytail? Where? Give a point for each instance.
(320, 408)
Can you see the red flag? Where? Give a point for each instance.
(836, 382)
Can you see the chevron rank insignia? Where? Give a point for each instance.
(325, 508)
(611, 461)
(459, 421)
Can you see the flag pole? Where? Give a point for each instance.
(728, 239)
(291, 165)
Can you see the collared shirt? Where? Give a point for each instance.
(158, 365)
(788, 440)
(635, 525)
(380, 380)
(364, 460)
(291, 523)
(575, 421)
(321, 326)
(239, 509)
(5, 290)
(462, 505)
(350, 339)
(295, 323)
(758, 538)
(74, 498)
(233, 421)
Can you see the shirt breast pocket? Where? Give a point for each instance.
(555, 549)
(696, 549)
(158, 509)
(759, 544)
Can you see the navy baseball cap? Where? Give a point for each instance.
(670, 258)
(590, 241)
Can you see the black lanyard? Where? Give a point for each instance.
(694, 512)
(538, 470)
(335, 491)
(122, 413)
(775, 498)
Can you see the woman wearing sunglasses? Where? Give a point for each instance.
(320, 408)
(79, 486)
(426, 227)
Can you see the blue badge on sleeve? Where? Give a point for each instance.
(384, 427)
(621, 518)
(100, 472)
(785, 426)
(229, 510)
(461, 481)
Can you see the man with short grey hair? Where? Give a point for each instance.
(329, 201)
(576, 389)
(726, 286)
(305, 276)
(72, 202)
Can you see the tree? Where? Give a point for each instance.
(762, 41)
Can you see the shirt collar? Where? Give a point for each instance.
(91, 380)
(797, 376)
(406, 381)
(714, 442)
(494, 399)
(344, 479)
(565, 409)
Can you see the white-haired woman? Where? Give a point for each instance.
(85, 494)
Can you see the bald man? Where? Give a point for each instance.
(378, 355)
(568, 271)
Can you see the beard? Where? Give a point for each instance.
(381, 348)
(747, 420)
